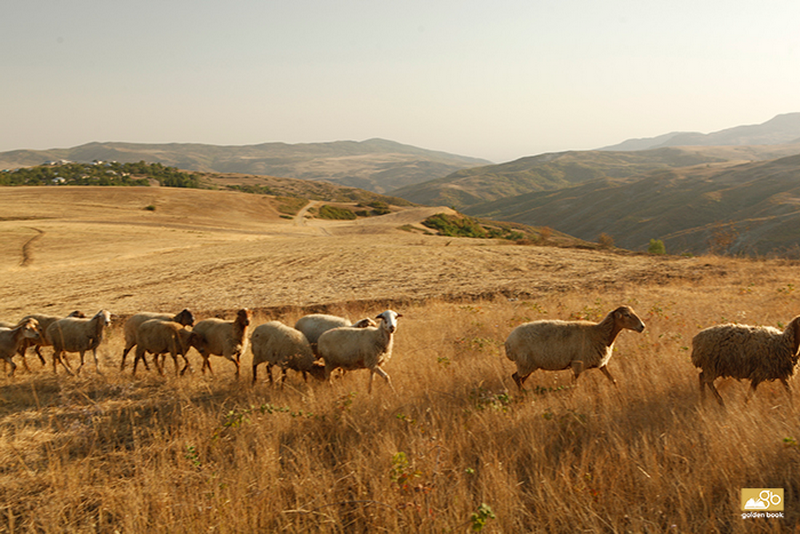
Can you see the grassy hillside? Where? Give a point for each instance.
(457, 448)
(376, 165)
(545, 172)
(751, 208)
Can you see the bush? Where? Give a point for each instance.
(656, 247)
(332, 212)
(452, 226)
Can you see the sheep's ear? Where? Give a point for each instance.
(399, 315)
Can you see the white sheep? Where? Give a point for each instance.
(44, 322)
(350, 348)
(555, 345)
(316, 324)
(161, 337)
(184, 317)
(274, 343)
(12, 338)
(224, 338)
(757, 353)
(75, 334)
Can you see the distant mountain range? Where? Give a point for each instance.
(376, 165)
(782, 129)
(751, 208)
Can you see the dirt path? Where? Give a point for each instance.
(27, 248)
(300, 218)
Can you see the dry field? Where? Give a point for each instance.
(456, 448)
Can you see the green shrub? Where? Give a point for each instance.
(656, 247)
(453, 226)
(332, 212)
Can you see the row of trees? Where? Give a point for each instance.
(111, 173)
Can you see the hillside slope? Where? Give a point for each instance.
(748, 208)
(376, 164)
(547, 172)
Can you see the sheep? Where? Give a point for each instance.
(557, 345)
(316, 324)
(274, 343)
(11, 339)
(44, 322)
(74, 334)
(757, 353)
(352, 348)
(224, 338)
(159, 337)
(185, 318)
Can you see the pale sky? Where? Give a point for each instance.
(498, 79)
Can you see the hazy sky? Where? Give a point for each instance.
(498, 79)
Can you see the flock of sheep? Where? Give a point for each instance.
(755, 353)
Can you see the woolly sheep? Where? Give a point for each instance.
(75, 334)
(316, 324)
(757, 353)
(352, 348)
(161, 337)
(224, 338)
(44, 322)
(185, 318)
(274, 343)
(11, 339)
(557, 345)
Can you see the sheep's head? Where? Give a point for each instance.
(317, 371)
(795, 325)
(185, 318)
(363, 323)
(104, 316)
(31, 329)
(243, 316)
(626, 318)
(390, 320)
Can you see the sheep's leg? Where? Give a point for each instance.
(788, 391)
(57, 357)
(283, 376)
(383, 375)
(255, 372)
(186, 365)
(96, 362)
(39, 354)
(13, 365)
(520, 380)
(577, 369)
(606, 372)
(25, 363)
(702, 388)
(713, 389)
(751, 391)
(125, 352)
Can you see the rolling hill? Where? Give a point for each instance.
(375, 165)
(547, 172)
(751, 208)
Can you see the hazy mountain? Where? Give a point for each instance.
(755, 205)
(779, 130)
(546, 172)
(375, 165)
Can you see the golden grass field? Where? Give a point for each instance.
(112, 453)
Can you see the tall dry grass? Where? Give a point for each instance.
(210, 454)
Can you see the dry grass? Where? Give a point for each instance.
(199, 453)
